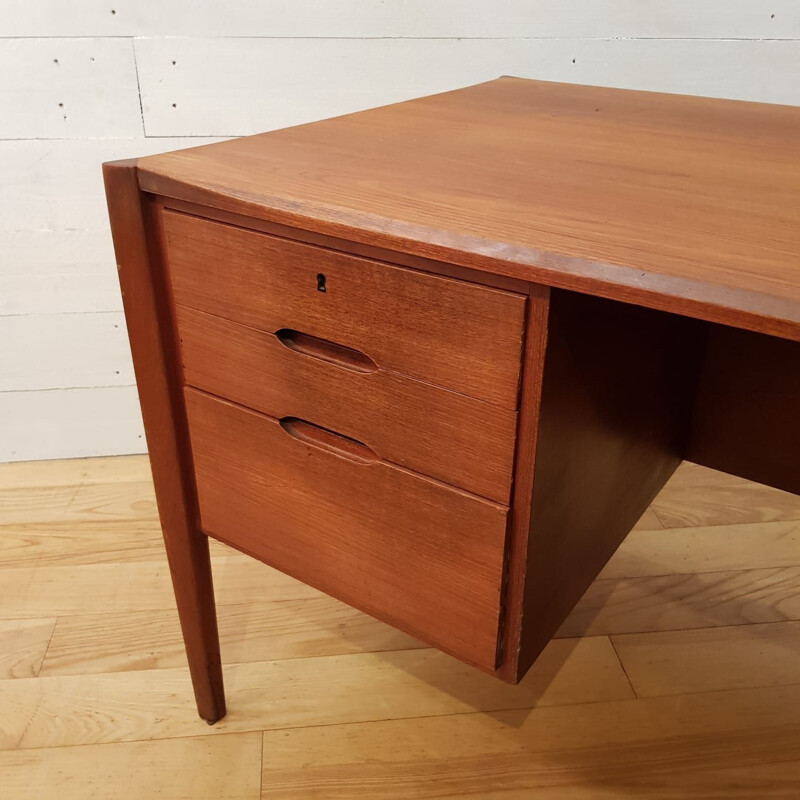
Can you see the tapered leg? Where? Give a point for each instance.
(134, 227)
(190, 567)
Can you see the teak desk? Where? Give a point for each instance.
(435, 359)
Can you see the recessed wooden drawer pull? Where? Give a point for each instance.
(328, 440)
(398, 417)
(326, 351)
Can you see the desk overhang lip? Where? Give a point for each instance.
(750, 310)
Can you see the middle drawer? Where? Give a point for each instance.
(446, 435)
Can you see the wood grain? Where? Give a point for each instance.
(227, 768)
(156, 704)
(23, 643)
(719, 548)
(698, 496)
(648, 521)
(720, 745)
(265, 631)
(418, 554)
(474, 441)
(122, 501)
(348, 246)
(75, 472)
(710, 659)
(565, 737)
(394, 177)
(454, 334)
(78, 511)
(83, 589)
(39, 544)
(86, 541)
(673, 602)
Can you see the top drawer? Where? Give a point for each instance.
(458, 335)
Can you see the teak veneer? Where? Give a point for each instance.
(437, 358)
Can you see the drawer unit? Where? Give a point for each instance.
(413, 551)
(411, 423)
(453, 334)
(352, 423)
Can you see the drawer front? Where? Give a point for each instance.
(448, 332)
(446, 435)
(411, 551)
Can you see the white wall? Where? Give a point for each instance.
(88, 81)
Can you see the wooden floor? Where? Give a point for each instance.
(677, 676)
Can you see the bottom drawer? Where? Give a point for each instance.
(407, 549)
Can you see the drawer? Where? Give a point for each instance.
(444, 331)
(450, 436)
(420, 555)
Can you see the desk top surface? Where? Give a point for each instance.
(681, 203)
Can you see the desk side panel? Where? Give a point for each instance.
(615, 409)
(746, 417)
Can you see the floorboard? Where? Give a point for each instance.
(675, 677)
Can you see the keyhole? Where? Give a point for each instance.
(321, 282)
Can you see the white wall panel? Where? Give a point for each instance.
(220, 87)
(250, 85)
(62, 88)
(762, 71)
(59, 294)
(73, 82)
(69, 423)
(409, 18)
(57, 361)
(58, 185)
(57, 271)
(66, 251)
(61, 351)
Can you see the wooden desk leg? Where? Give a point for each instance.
(190, 567)
(157, 377)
